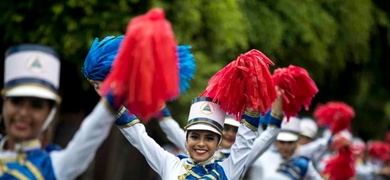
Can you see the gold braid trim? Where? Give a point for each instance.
(122, 109)
(135, 121)
(252, 113)
(211, 176)
(34, 170)
(276, 115)
(247, 124)
(14, 173)
(108, 106)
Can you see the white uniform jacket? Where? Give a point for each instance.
(265, 166)
(170, 167)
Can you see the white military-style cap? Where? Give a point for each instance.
(230, 120)
(32, 70)
(309, 127)
(205, 115)
(289, 130)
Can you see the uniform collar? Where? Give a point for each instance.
(208, 161)
(224, 150)
(23, 146)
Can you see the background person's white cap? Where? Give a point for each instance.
(309, 127)
(31, 70)
(205, 115)
(346, 134)
(229, 120)
(289, 130)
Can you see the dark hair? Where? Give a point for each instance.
(2, 126)
(219, 136)
(51, 103)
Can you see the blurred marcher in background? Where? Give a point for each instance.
(283, 152)
(372, 158)
(309, 131)
(30, 101)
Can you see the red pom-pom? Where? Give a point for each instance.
(145, 72)
(244, 83)
(337, 115)
(341, 166)
(299, 89)
(379, 150)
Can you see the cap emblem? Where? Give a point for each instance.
(35, 65)
(207, 108)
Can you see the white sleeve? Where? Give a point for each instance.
(158, 159)
(312, 173)
(262, 144)
(260, 129)
(314, 150)
(234, 165)
(80, 151)
(365, 171)
(174, 133)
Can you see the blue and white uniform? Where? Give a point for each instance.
(169, 166)
(33, 70)
(177, 136)
(269, 163)
(29, 161)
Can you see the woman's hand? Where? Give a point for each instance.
(277, 106)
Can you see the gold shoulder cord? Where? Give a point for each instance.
(17, 174)
(14, 173)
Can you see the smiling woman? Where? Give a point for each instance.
(201, 145)
(24, 117)
(203, 136)
(30, 100)
(30, 92)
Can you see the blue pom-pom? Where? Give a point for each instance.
(187, 67)
(97, 64)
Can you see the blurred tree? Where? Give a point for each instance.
(342, 45)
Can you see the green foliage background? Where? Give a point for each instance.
(344, 45)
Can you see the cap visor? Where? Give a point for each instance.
(32, 91)
(232, 122)
(308, 134)
(287, 136)
(204, 128)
